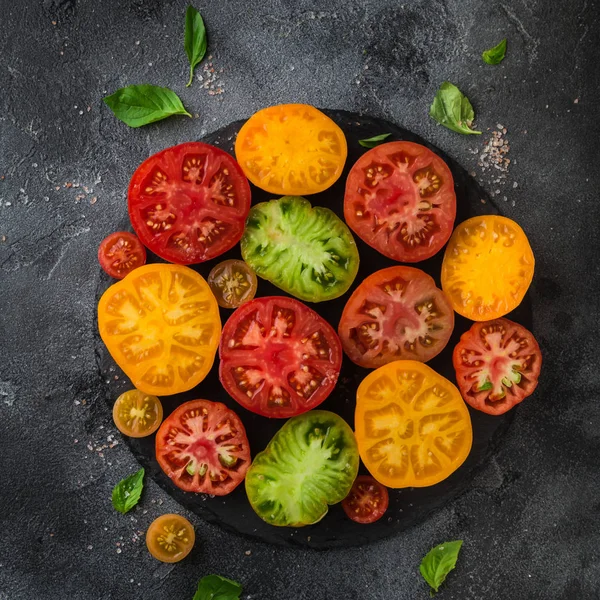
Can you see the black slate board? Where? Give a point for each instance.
(408, 506)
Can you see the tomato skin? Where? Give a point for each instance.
(196, 460)
(400, 200)
(120, 253)
(170, 538)
(188, 203)
(501, 357)
(487, 268)
(279, 358)
(136, 414)
(412, 427)
(291, 149)
(395, 314)
(367, 501)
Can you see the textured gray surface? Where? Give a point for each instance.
(530, 521)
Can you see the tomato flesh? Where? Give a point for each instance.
(278, 357)
(395, 313)
(188, 203)
(120, 253)
(137, 414)
(202, 446)
(367, 501)
(497, 365)
(412, 427)
(400, 200)
(170, 538)
(232, 282)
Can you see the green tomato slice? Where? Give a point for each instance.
(307, 252)
(310, 463)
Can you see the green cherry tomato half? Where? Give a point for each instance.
(307, 252)
(310, 463)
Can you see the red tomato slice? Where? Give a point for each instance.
(202, 446)
(278, 357)
(189, 203)
(367, 501)
(120, 253)
(400, 200)
(397, 313)
(497, 365)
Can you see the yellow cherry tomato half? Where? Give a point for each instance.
(161, 325)
(137, 414)
(232, 282)
(170, 538)
(412, 426)
(291, 149)
(487, 267)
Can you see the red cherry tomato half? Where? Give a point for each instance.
(367, 501)
(497, 365)
(202, 446)
(400, 200)
(120, 253)
(189, 203)
(279, 358)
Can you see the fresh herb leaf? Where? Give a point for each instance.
(195, 41)
(374, 141)
(215, 587)
(138, 105)
(126, 494)
(438, 562)
(452, 109)
(495, 55)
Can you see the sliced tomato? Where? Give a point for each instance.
(497, 365)
(202, 446)
(120, 253)
(367, 501)
(170, 538)
(188, 203)
(137, 414)
(396, 313)
(232, 282)
(278, 357)
(400, 200)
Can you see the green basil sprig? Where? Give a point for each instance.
(495, 55)
(194, 41)
(126, 494)
(438, 562)
(452, 109)
(215, 587)
(138, 105)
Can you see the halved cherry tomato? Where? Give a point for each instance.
(400, 200)
(412, 427)
(202, 446)
(137, 414)
(120, 253)
(291, 149)
(395, 313)
(367, 501)
(170, 538)
(161, 325)
(487, 268)
(188, 203)
(232, 282)
(497, 365)
(278, 357)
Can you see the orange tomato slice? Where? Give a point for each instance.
(137, 414)
(487, 267)
(170, 538)
(412, 427)
(161, 325)
(291, 149)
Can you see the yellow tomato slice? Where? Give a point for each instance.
(161, 325)
(291, 149)
(487, 268)
(412, 427)
(137, 414)
(170, 538)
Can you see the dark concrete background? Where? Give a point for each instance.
(530, 520)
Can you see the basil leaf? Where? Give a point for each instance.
(438, 562)
(126, 494)
(452, 109)
(138, 105)
(495, 55)
(374, 141)
(215, 587)
(194, 40)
